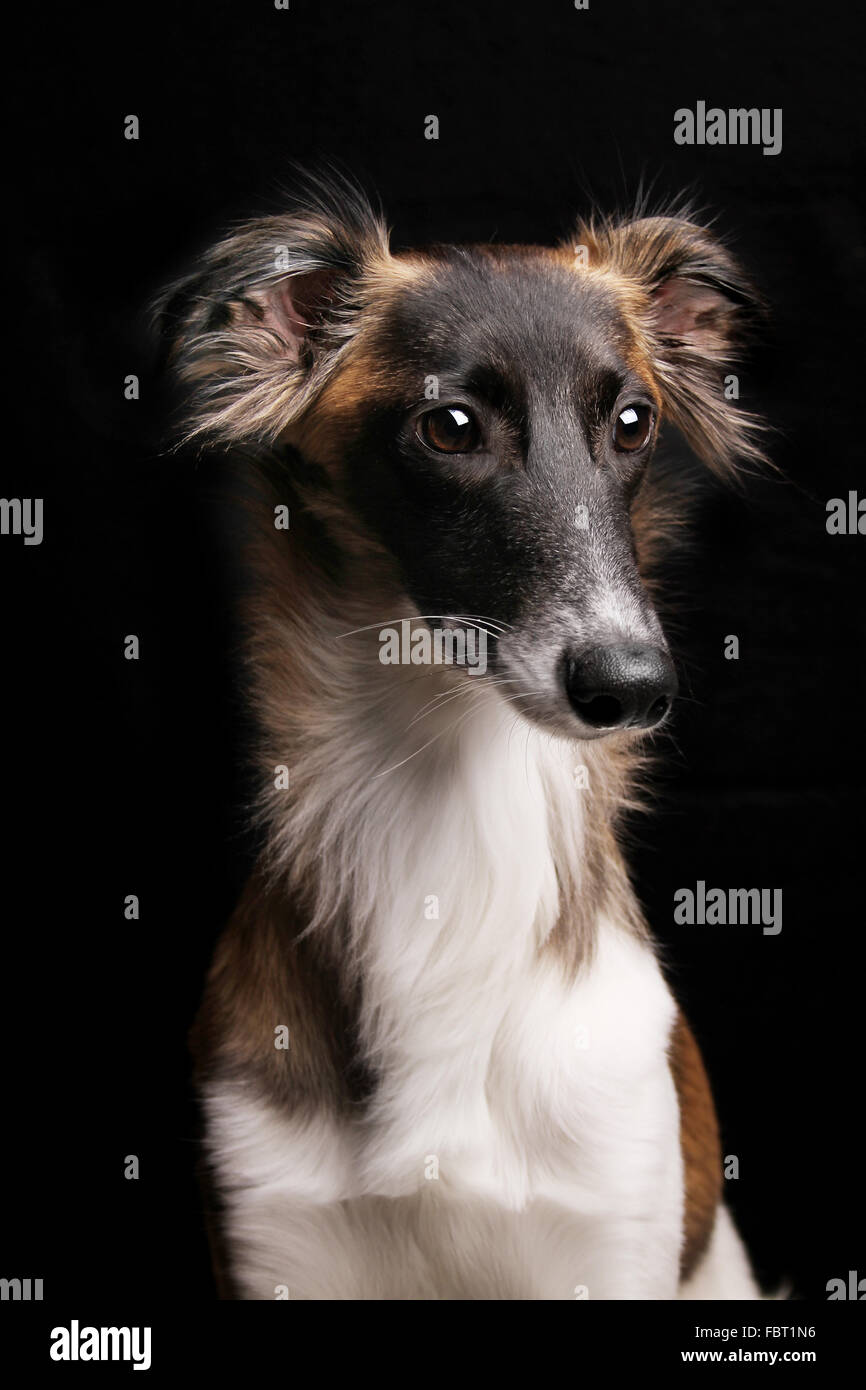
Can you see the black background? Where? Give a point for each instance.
(122, 777)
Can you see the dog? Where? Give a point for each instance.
(436, 1054)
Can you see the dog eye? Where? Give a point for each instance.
(450, 430)
(633, 428)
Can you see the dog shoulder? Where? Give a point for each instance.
(274, 1014)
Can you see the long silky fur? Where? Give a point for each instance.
(335, 849)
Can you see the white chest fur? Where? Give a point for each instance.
(523, 1140)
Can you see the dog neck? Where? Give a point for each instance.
(428, 827)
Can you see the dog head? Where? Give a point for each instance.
(488, 416)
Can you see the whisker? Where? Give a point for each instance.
(483, 624)
(444, 697)
(455, 724)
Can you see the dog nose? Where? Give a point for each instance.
(627, 686)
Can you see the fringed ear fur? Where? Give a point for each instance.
(694, 307)
(258, 328)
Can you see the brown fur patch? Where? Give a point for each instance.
(699, 1141)
(262, 977)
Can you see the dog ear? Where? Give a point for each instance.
(256, 329)
(692, 304)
